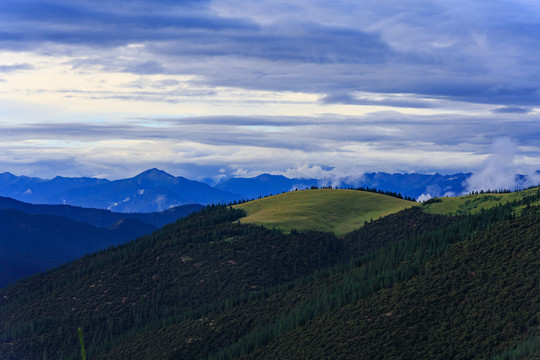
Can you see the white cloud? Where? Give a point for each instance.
(327, 177)
(424, 197)
(498, 171)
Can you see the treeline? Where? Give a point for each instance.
(373, 190)
(500, 191)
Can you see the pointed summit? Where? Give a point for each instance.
(154, 174)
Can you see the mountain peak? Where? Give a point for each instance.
(269, 177)
(7, 175)
(153, 174)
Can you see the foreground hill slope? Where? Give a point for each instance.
(408, 285)
(332, 210)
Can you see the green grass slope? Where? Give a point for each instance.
(472, 204)
(331, 210)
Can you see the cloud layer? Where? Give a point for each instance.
(462, 50)
(329, 88)
(330, 147)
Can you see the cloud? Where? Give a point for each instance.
(335, 176)
(83, 22)
(512, 110)
(146, 68)
(500, 170)
(424, 197)
(16, 67)
(144, 82)
(330, 147)
(462, 51)
(350, 99)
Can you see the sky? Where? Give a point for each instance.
(225, 88)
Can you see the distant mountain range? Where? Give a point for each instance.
(156, 190)
(152, 190)
(34, 238)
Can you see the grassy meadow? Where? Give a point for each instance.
(474, 203)
(334, 210)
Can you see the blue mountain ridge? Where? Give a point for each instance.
(35, 238)
(150, 191)
(411, 185)
(155, 190)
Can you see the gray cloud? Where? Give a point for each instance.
(146, 68)
(16, 67)
(512, 110)
(387, 101)
(387, 141)
(466, 51)
(391, 130)
(168, 93)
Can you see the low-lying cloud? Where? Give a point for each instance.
(335, 176)
(502, 171)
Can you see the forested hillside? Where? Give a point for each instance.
(99, 217)
(476, 301)
(33, 243)
(35, 238)
(409, 285)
